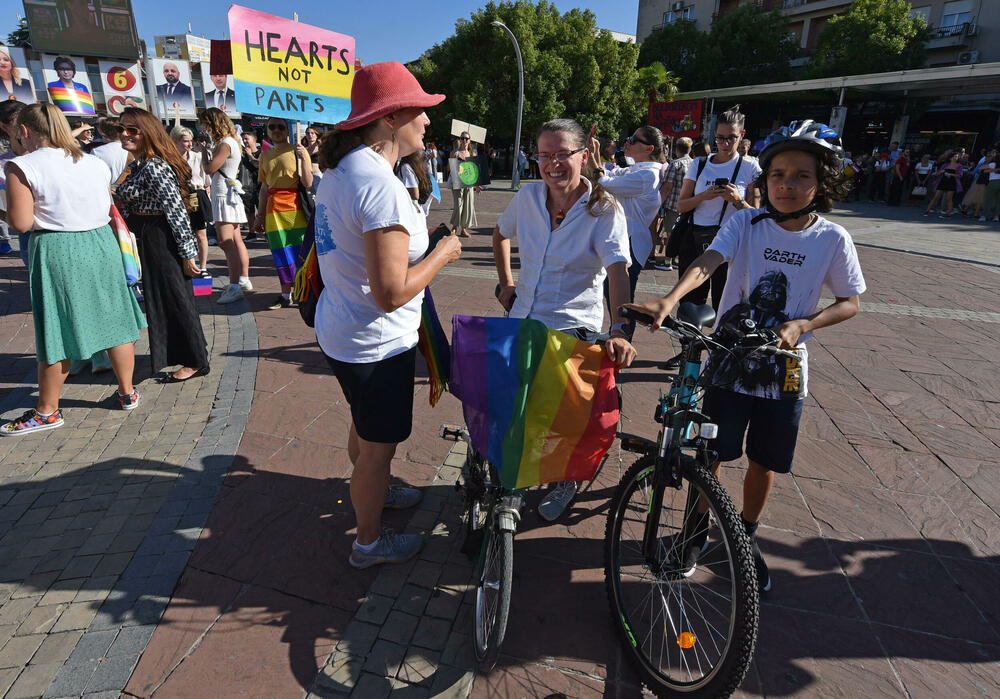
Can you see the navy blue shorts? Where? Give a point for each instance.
(771, 427)
(380, 395)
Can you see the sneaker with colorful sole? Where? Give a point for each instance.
(30, 422)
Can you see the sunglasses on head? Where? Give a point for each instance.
(127, 130)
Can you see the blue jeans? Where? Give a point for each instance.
(22, 241)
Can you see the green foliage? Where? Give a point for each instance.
(873, 36)
(742, 46)
(654, 83)
(570, 70)
(20, 37)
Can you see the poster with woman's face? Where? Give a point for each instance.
(15, 79)
(219, 91)
(67, 84)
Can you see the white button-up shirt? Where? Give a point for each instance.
(638, 189)
(562, 271)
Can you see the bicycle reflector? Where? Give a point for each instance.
(686, 640)
(709, 430)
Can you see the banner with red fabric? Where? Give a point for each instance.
(676, 119)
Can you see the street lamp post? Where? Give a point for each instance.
(515, 178)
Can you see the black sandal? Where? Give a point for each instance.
(170, 378)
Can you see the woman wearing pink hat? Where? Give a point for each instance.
(370, 239)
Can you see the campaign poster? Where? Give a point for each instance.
(15, 78)
(171, 89)
(122, 85)
(676, 119)
(219, 91)
(290, 69)
(67, 84)
(89, 27)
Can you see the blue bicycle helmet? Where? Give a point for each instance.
(811, 137)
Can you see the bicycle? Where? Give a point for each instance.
(672, 586)
(491, 513)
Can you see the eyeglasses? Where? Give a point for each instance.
(560, 157)
(633, 140)
(127, 130)
(464, 138)
(725, 139)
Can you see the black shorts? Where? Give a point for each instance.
(771, 427)
(380, 395)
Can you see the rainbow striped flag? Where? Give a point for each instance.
(432, 342)
(285, 226)
(128, 246)
(75, 101)
(540, 405)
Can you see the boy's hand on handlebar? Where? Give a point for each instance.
(659, 309)
(506, 297)
(789, 332)
(620, 351)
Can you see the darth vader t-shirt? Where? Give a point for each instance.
(775, 276)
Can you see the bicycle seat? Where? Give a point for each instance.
(699, 316)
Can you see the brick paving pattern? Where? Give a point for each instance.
(884, 546)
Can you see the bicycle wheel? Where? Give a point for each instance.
(493, 594)
(686, 632)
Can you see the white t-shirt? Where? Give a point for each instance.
(114, 156)
(4, 158)
(638, 189)
(775, 276)
(362, 194)
(69, 196)
(994, 175)
(561, 281)
(707, 212)
(923, 168)
(409, 179)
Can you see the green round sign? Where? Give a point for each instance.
(468, 172)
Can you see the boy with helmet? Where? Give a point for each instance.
(779, 259)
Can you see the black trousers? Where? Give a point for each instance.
(690, 251)
(175, 335)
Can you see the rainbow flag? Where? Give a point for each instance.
(432, 342)
(540, 405)
(74, 100)
(128, 246)
(202, 287)
(285, 226)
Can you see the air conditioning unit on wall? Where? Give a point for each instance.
(968, 58)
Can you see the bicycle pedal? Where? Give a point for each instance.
(451, 432)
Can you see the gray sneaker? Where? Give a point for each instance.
(390, 548)
(556, 500)
(399, 497)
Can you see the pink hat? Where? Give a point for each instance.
(383, 88)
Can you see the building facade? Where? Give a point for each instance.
(963, 31)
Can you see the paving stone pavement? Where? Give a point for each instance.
(884, 545)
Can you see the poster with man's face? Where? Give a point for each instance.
(67, 83)
(15, 78)
(219, 91)
(172, 94)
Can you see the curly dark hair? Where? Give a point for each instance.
(833, 185)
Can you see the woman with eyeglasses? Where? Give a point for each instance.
(637, 187)
(80, 300)
(152, 198)
(463, 215)
(282, 170)
(571, 234)
(715, 189)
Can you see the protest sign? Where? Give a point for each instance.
(67, 83)
(477, 134)
(288, 69)
(15, 78)
(676, 119)
(122, 83)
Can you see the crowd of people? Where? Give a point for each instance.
(744, 230)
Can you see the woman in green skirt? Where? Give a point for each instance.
(80, 299)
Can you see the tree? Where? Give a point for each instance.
(571, 69)
(746, 45)
(655, 84)
(677, 47)
(20, 37)
(873, 36)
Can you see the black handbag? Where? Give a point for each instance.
(683, 225)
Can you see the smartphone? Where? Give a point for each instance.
(721, 181)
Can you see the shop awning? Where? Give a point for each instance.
(976, 79)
